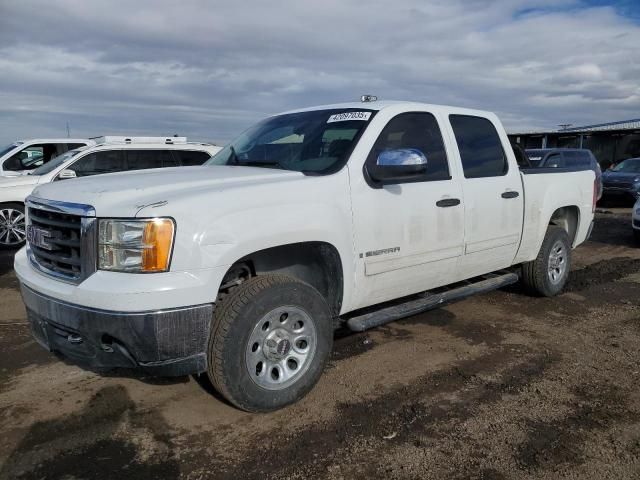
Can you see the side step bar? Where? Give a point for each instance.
(385, 315)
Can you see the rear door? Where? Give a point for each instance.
(493, 196)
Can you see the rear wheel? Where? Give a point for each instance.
(12, 226)
(270, 339)
(548, 273)
(636, 235)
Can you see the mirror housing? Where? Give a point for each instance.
(398, 165)
(66, 173)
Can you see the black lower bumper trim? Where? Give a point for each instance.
(163, 342)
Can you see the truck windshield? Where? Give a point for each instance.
(54, 163)
(316, 142)
(631, 165)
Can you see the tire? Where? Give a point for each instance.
(636, 235)
(12, 226)
(537, 276)
(256, 356)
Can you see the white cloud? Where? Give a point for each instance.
(209, 69)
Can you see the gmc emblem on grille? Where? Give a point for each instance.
(39, 237)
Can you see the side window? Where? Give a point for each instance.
(190, 158)
(553, 161)
(31, 156)
(480, 147)
(417, 130)
(107, 161)
(145, 159)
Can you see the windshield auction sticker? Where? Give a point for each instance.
(346, 116)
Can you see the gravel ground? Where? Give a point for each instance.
(499, 386)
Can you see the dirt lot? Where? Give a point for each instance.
(495, 387)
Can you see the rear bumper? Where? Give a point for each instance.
(161, 342)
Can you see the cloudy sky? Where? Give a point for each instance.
(209, 69)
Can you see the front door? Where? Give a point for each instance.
(408, 235)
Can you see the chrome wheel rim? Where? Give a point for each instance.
(557, 266)
(12, 227)
(281, 347)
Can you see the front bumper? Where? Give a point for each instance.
(161, 342)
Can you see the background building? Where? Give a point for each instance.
(609, 142)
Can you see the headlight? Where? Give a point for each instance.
(135, 246)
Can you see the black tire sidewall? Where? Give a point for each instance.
(553, 235)
(240, 388)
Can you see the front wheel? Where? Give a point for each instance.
(547, 274)
(12, 226)
(269, 342)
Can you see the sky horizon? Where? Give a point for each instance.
(208, 70)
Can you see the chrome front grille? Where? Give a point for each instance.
(61, 239)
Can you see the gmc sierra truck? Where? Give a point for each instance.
(344, 215)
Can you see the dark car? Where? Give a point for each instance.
(623, 179)
(566, 158)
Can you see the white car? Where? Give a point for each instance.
(106, 155)
(25, 155)
(241, 269)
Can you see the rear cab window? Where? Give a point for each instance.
(480, 146)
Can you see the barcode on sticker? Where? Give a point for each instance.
(343, 117)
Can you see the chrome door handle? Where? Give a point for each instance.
(448, 202)
(510, 194)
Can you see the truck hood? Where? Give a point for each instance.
(125, 194)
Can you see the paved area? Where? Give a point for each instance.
(496, 387)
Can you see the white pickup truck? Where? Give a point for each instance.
(335, 215)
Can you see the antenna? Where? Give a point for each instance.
(68, 132)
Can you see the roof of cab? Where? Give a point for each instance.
(383, 104)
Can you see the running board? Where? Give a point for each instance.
(385, 315)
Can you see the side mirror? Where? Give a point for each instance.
(394, 166)
(66, 173)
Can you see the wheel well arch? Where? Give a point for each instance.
(316, 263)
(567, 217)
